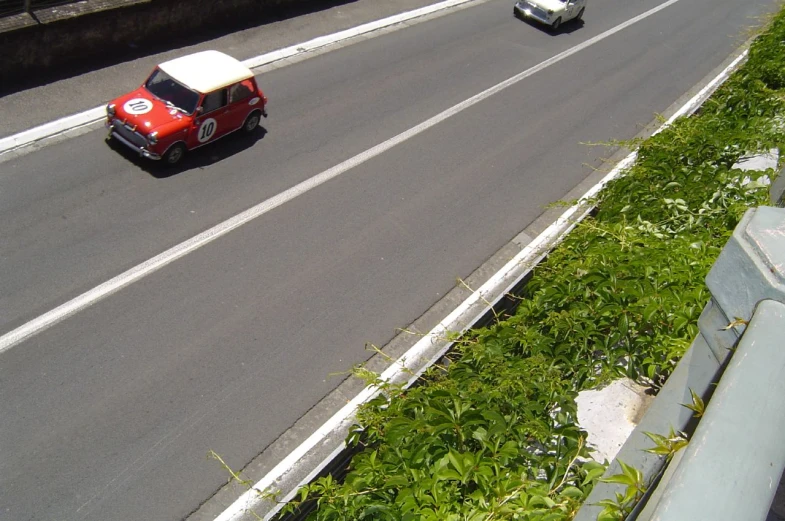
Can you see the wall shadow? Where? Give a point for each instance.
(67, 65)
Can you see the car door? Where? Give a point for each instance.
(213, 119)
(241, 102)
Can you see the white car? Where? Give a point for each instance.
(552, 13)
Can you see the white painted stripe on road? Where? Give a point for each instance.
(323, 41)
(96, 114)
(159, 261)
(51, 129)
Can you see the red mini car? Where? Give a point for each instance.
(186, 103)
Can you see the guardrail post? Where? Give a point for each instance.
(733, 463)
(777, 190)
(741, 430)
(749, 269)
(28, 6)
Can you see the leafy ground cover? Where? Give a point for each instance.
(493, 434)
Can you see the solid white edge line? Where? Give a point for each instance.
(323, 41)
(529, 255)
(107, 288)
(94, 115)
(50, 129)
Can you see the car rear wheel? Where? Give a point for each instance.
(252, 121)
(580, 14)
(556, 24)
(174, 154)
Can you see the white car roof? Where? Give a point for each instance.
(206, 71)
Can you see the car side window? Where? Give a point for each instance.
(214, 101)
(240, 91)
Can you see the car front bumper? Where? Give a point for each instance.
(131, 139)
(525, 10)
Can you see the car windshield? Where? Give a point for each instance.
(174, 94)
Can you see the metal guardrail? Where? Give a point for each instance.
(734, 461)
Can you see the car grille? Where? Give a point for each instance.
(134, 137)
(539, 12)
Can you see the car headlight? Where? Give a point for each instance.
(110, 111)
(152, 138)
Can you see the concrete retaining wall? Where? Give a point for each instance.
(65, 37)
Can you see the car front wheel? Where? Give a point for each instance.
(174, 154)
(556, 24)
(252, 121)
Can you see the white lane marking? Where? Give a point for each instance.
(51, 129)
(96, 114)
(323, 41)
(107, 288)
(456, 321)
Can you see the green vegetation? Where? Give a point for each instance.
(493, 434)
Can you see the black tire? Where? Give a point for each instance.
(580, 14)
(556, 24)
(252, 121)
(516, 13)
(174, 154)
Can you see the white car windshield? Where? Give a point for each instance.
(175, 94)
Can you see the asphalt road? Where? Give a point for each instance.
(110, 413)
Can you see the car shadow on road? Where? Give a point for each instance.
(565, 28)
(199, 158)
(569, 27)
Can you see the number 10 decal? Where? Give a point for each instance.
(207, 130)
(138, 106)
